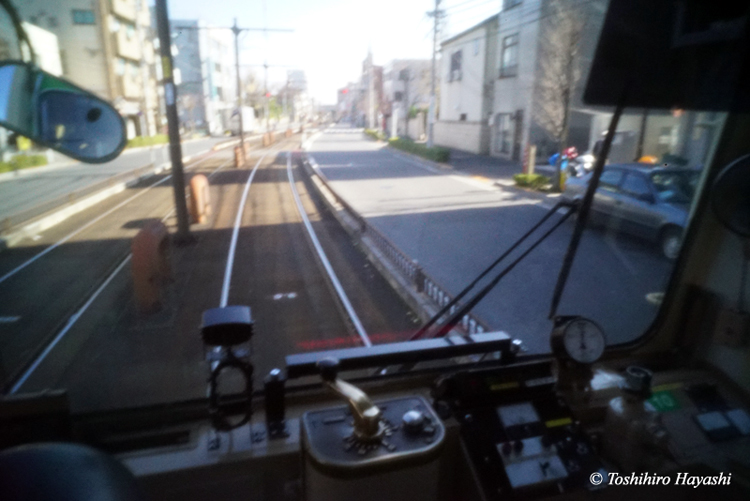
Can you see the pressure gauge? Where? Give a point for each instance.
(578, 339)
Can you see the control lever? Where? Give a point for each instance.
(368, 422)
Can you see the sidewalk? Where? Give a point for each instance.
(493, 168)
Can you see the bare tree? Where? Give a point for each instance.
(559, 71)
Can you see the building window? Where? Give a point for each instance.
(120, 66)
(217, 67)
(83, 16)
(476, 47)
(509, 57)
(462, 117)
(455, 66)
(129, 31)
(398, 96)
(509, 4)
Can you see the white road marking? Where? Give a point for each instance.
(9, 320)
(326, 264)
(71, 322)
(74, 318)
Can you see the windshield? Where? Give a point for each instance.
(675, 187)
(337, 180)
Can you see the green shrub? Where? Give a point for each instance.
(436, 153)
(148, 140)
(23, 162)
(534, 181)
(377, 135)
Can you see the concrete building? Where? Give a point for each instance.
(491, 93)
(406, 85)
(371, 95)
(105, 47)
(467, 74)
(207, 90)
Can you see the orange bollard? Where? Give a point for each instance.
(288, 133)
(272, 139)
(200, 206)
(266, 139)
(150, 265)
(239, 157)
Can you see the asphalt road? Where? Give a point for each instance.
(33, 188)
(455, 226)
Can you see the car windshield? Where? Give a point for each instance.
(675, 187)
(338, 180)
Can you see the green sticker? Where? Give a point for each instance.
(664, 401)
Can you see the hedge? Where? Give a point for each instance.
(375, 134)
(534, 181)
(148, 140)
(23, 162)
(436, 154)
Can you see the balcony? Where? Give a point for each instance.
(130, 86)
(127, 45)
(125, 9)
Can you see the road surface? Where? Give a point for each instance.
(456, 225)
(30, 189)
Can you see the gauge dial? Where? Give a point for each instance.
(584, 341)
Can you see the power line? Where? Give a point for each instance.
(470, 7)
(460, 4)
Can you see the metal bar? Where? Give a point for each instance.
(583, 212)
(382, 355)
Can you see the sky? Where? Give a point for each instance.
(331, 37)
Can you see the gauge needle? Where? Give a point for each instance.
(583, 340)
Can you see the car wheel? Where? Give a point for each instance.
(671, 241)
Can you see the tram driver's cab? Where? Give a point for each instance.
(666, 416)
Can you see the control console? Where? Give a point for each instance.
(522, 440)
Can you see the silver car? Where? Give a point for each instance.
(641, 200)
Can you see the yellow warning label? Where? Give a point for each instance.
(558, 422)
(504, 386)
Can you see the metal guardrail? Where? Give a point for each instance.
(409, 268)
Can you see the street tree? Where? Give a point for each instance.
(559, 71)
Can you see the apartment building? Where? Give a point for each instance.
(207, 86)
(105, 47)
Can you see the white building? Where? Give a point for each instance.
(406, 85)
(467, 74)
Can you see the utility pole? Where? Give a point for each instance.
(175, 147)
(236, 31)
(431, 116)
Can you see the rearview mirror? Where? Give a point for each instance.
(59, 115)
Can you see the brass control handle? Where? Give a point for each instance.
(367, 416)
